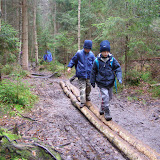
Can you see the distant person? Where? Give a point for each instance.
(48, 56)
(83, 60)
(104, 69)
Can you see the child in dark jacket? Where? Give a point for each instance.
(104, 69)
(83, 61)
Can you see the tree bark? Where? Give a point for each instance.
(24, 35)
(55, 26)
(5, 11)
(79, 24)
(122, 145)
(125, 135)
(0, 15)
(19, 28)
(35, 33)
(126, 58)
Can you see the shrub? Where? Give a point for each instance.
(16, 93)
(7, 69)
(146, 76)
(155, 90)
(133, 77)
(8, 42)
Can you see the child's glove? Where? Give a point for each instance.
(120, 81)
(93, 85)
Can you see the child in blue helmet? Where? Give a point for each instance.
(104, 69)
(83, 60)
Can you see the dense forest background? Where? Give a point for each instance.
(30, 27)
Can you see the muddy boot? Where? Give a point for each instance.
(88, 98)
(81, 105)
(107, 115)
(101, 111)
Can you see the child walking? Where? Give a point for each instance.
(104, 70)
(83, 60)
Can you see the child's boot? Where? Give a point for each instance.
(82, 105)
(101, 111)
(107, 115)
(88, 98)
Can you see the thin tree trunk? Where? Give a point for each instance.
(35, 33)
(0, 15)
(32, 44)
(24, 35)
(5, 11)
(126, 46)
(20, 33)
(126, 57)
(79, 24)
(18, 22)
(0, 31)
(90, 25)
(55, 26)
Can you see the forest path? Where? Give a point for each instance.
(61, 125)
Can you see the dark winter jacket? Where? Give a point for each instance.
(104, 75)
(83, 62)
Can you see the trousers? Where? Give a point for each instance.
(85, 89)
(106, 94)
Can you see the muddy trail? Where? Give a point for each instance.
(60, 125)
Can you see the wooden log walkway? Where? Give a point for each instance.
(133, 148)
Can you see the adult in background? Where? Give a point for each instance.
(83, 60)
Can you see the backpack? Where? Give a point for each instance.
(111, 63)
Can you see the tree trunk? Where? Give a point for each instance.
(0, 15)
(126, 46)
(35, 33)
(90, 24)
(24, 35)
(126, 57)
(0, 31)
(55, 26)
(19, 28)
(79, 24)
(5, 11)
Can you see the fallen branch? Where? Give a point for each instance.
(36, 74)
(42, 76)
(152, 85)
(46, 149)
(24, 148)
(63, 145)
(1, 137)
(17, 126)
(26, 117)
(17, 146)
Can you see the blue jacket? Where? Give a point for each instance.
(83, 63)
(104, 75)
